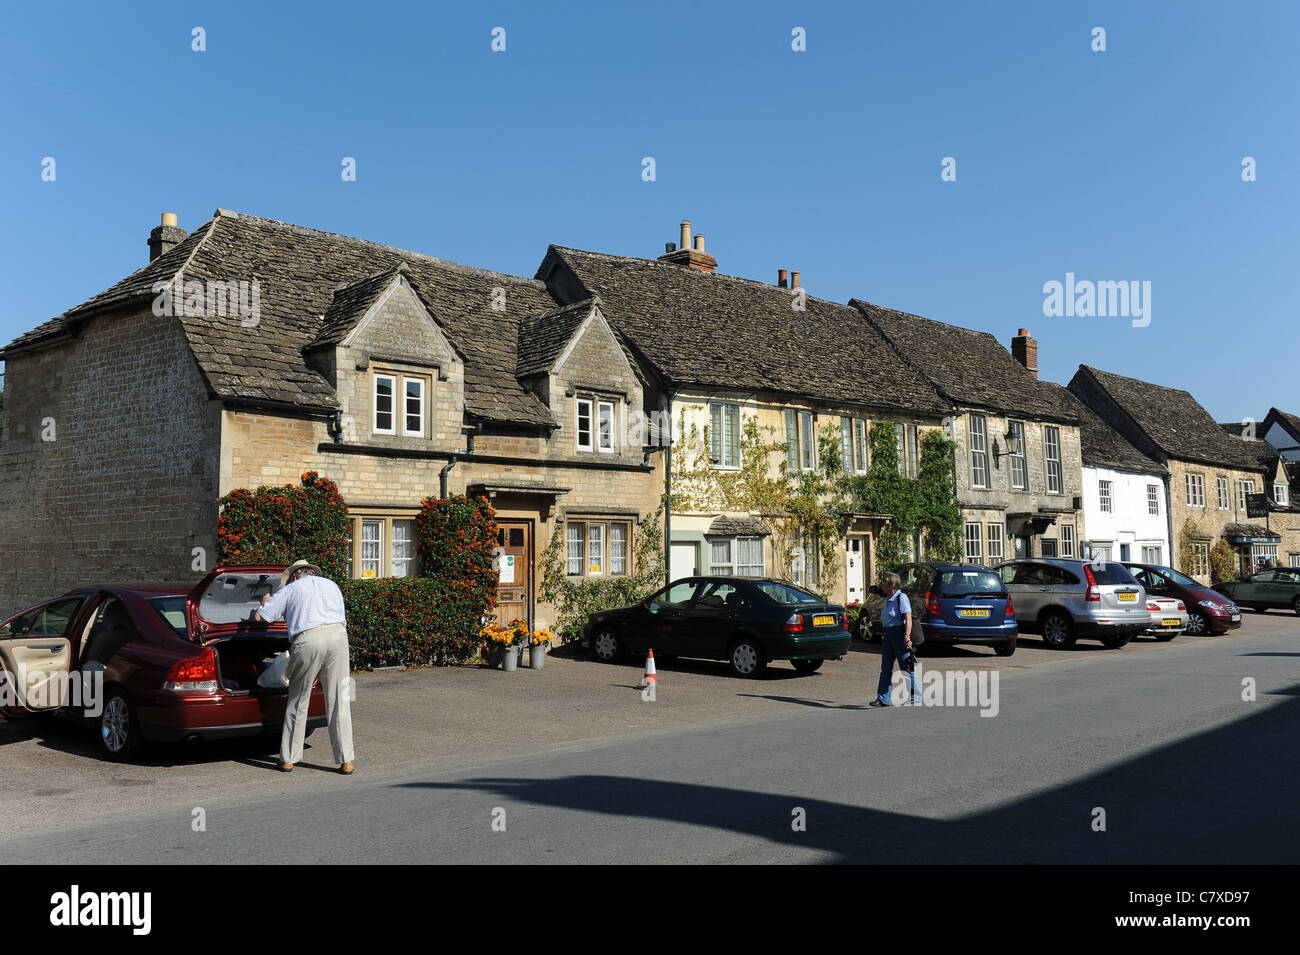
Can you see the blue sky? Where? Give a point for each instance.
(1122, 165)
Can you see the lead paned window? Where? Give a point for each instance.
(806, 438)
(860, 443)
(577, 548)
(724, 434)
(403, 555)
(617, 549)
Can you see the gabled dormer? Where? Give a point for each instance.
(398, 375)
(573, 361)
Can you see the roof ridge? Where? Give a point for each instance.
(370, 243)
(925, 318)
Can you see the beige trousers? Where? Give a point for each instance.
(323, 651)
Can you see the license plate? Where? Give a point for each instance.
(976, 612)
(824, 620)
(1124, 596)
(1171, 622)
(1236, 618)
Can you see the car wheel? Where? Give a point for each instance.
(807, 666)
(1197, 624)
(1114, 641)
(747, 658)
(1005, 649)
(1058, 631)
(1295, 605)
(119, 731)
(606, 646)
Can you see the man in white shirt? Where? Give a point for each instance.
(311, 605)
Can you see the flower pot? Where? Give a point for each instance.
(510, 661)
(537, 656)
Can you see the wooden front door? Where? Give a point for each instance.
(515, 556)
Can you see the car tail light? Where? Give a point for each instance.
(1092, 596)
(794, 624)
(196, 674)
(1154, 606)
(1011, 610)
(1182, 607)
(932, 604)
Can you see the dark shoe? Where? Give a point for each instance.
(284, 767)
(877, 703)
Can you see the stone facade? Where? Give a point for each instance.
(108, 461)
(1205, 523)
(1034, 514)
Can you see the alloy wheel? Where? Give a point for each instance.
(1197, 624)
(605, 646)
(115, 725)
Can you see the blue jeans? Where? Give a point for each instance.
(892, 649)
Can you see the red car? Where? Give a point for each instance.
(179, 662)
(1209, 613)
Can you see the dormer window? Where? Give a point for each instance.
(400, 402)
(584, 425)
(596, 419)
(413, 423)
(385, 390)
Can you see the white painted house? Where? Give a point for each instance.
(1125, 495)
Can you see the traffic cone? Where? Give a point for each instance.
(649, 679)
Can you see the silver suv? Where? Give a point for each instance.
(1067, 599)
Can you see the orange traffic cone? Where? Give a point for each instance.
(649, 679)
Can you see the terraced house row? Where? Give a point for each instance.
(568, 399)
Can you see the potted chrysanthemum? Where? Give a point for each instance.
(541, 642)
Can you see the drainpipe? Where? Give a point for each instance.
(668, 487)
(446, 468)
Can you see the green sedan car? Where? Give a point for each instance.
(1278, 588)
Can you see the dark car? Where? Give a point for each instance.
(951, 604)
(179, 662)
(1208, 612)
(748, 621)
(1274, 588)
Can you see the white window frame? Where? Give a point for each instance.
(1105, 498)
(974, 543)
(1225, 494)
(1244, 487)
(410, 559)
(1262, 552)
(594, 537)
(1195, 482)
(570, 538)
(1067, 540)
(392, 402)
(602, 445)
(590, 443)
(406, 414)
(1281, 494)
(1153, 499)
(979, 450)
(378, 542)
(996, 536)
(1148, 557)
(1019, 463)
(1055, 470)
(622, 558)
(1200, 550)
(1295, 559)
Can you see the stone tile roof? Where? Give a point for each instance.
(1174, 421)
(350, 304)
(742, 525)
(1248, 530)
(970, 368)
(1102, 445)
(299, 270)
(695, 328)
(543, 335)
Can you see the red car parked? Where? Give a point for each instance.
(179, 662)
(1209, 613)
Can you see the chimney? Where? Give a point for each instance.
(1025, 350)
(794, 279)
(780, 278)
(166, 236)
(687, 256)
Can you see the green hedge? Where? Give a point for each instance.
(407, 621)
(279, 525)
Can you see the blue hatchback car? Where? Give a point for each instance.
(953, 604)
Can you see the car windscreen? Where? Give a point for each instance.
(787, 595)
(1181, 579)
(172, 610)
(969, 583)
(235, 597)
(1109, 572)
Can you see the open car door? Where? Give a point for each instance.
(36, 656)
(225, 602)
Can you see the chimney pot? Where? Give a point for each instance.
(794, 280)
(780, 278)
(689, 257)
(699, 242)
(165, 237)
(685, 242)
(670, 246)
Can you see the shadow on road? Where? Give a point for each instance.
(1222, 796)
